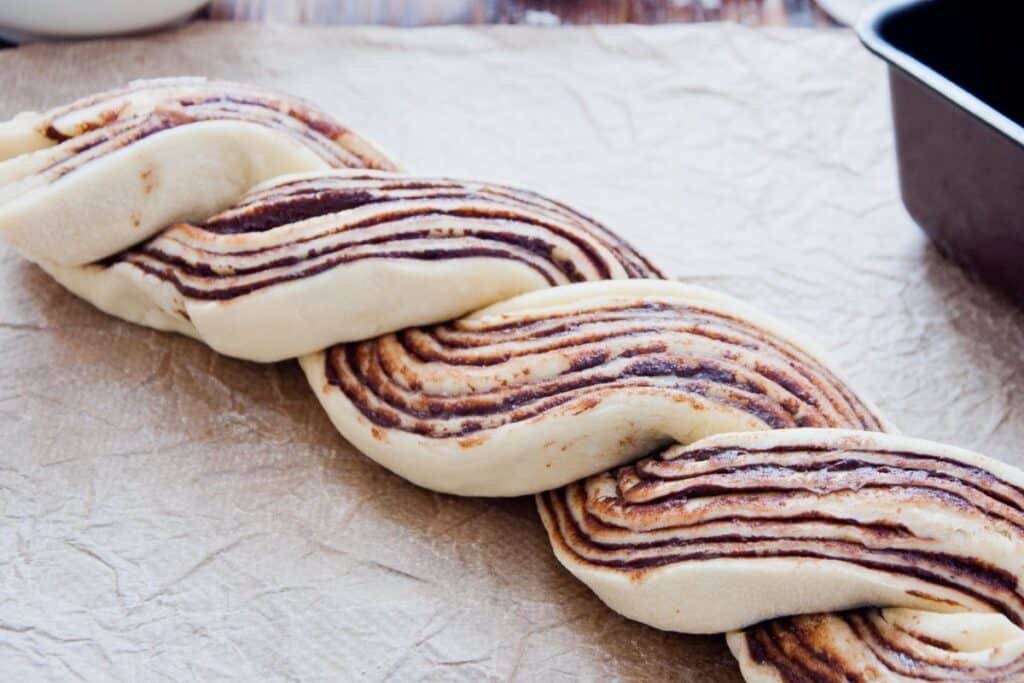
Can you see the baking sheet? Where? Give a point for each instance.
(172, 514)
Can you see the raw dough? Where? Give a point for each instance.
(308, 261)
(554, 385)
(86, 180)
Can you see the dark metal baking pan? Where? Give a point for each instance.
(958, 109)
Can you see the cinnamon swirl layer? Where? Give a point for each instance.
(311, 260)
(881, 645)
(554, 385)
(742, 528)
(86, 180)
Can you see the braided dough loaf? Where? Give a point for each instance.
(550, 386)
(86, 180)
(758, 526)
(742, 528)
(311, 260)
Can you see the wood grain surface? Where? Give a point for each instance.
(539, 12)
(411, 13)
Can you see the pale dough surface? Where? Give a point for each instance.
(157, 492)
(182, 174)
(982, 640)
(297, 316)
(556, 447)
(291, 319)
(719, 595)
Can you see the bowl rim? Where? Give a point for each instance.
(21, 25)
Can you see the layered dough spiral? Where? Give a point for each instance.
(306, 261)
(88, 179)
(739, 529)
(554, 385)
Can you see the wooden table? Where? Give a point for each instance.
(432, 12)
(802, 13)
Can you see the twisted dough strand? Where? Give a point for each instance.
(893, 644)
(81, 182)
(554, 385)
(831, 550)
(261, 280)
(738, 529)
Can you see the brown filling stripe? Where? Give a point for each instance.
(379, 376)
(108, 132)
(302, 257)
(737, 486)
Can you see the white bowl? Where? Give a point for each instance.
(27, 19)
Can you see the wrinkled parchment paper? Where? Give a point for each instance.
(169, 514)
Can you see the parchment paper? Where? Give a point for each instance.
(169, 514)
